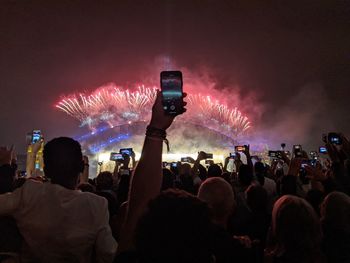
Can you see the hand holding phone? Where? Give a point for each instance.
(240, 148)
(187, 160)
(127, 151)
(334, 138)
(117, 157)
(205, 155)
(233, 155)
(36, 136)
(160, 120)
(297, 150)
(172, 94)
(323, 150)
(275, 154)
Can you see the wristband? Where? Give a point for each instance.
(156, 133)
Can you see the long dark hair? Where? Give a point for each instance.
(296, 230)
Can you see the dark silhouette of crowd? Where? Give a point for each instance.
(282, 211)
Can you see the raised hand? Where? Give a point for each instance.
(36, 146)
(333, 152)
(247, 150)
(161, 120)
(86, 160)
(201, 156)
(285, 157)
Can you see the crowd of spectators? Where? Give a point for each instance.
(258, 212)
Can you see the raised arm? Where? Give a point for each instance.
(84, 177)
(32, 151)
(196, 164)
(249, 158)
(147, 178)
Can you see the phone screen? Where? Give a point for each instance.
(297, 150)
(272, 154)
(232, 155)
(36, 136)
(116, 157)
(334, 138)
(127, 151)
(185, 160)
(239, 148)
(171, 85)
(322, 149)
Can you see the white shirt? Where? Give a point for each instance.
(61, 225)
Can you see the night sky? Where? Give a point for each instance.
(292, 57)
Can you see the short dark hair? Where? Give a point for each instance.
(168, 179)
(214, 170)
(257, 198)
(289, 185)
(175, 228)
(245, 176)
(63, 161)
(296, 226)
(259, 168)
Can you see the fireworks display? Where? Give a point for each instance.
(117, 106)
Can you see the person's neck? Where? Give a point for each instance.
(70, 186)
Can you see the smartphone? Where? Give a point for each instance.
(116, 157)
(240, 148)
(127, 151)
(36, 136)
(233, 155)
(303, 173)
(322, 149)
(171, 87)
(174, 165)
(297, 150)
(186, 160)
(273, 154)
(209, 156)
(334, 138)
